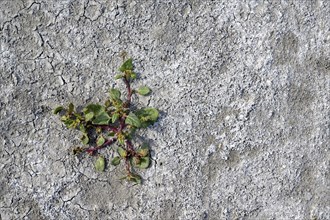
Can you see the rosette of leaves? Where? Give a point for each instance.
(113, 124)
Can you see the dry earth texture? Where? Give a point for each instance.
(243, 88)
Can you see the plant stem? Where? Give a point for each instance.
(127, 166)
(121, 124)
(129, 92)
(92, 150)
(130, 146)
(126, 105)
(108, 128)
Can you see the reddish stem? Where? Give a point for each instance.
(92, 150)
(128, 166)
(108, 128)
(129, 92)
(127, 103)
(130, 148)
(129, 145)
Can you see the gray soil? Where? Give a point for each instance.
(243, 88)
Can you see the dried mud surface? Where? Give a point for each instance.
(243, 88)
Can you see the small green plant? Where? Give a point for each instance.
(114, 124)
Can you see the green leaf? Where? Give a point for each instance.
(69, 123)
(102, 119)
(131, 132)
(78, 116)
(114, 117)
(100, 140)
(115, 94)
(89, 116)
(147, 116)
(127, 65)
(82, 128)
(71, 108)
(122, 152)
(100, 164)
(115, 161)
(132, 119)
(134, 178)
(64, 118)
(111, 134)
(133, 75)
(84, 139)
(143, 90)
(107, 103)
(119, 76)
(142, 163)
(121, 141)
(143, 151)
(58, 109)
(95, 108)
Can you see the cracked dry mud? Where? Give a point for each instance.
(243, 87)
